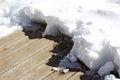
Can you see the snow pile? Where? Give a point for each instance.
(93, 25)
(12, 16)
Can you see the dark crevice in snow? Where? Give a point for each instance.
(63, 47)
(34, 30)
(115, 73)
(90, 77)
(60, 50)
(84, 68)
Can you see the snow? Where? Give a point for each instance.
(111, 77)
(93, 26)
(106, 69)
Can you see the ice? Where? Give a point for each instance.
(106, 69)
(93, 26)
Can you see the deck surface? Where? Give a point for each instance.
(22, 58)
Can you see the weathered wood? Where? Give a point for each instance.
(76, 76)
(22, 54)
(38, 73)
(22, 58)
(59, 76)
(26, 66)
(10, 49)
(11, 38)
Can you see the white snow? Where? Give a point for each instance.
(111, 77)
(93, 24)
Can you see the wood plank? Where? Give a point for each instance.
(11, 38)
(76, 76)
(38, 73)
(22, 54)
(10, 49)
(31, 63)
(59, 76)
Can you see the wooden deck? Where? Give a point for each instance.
(22, 58)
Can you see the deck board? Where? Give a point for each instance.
(38, 73)
(76, 76)
(27, 65)
(7, 40)
(8, 50)
(59, 76)
(22, 58)
(21, 55)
